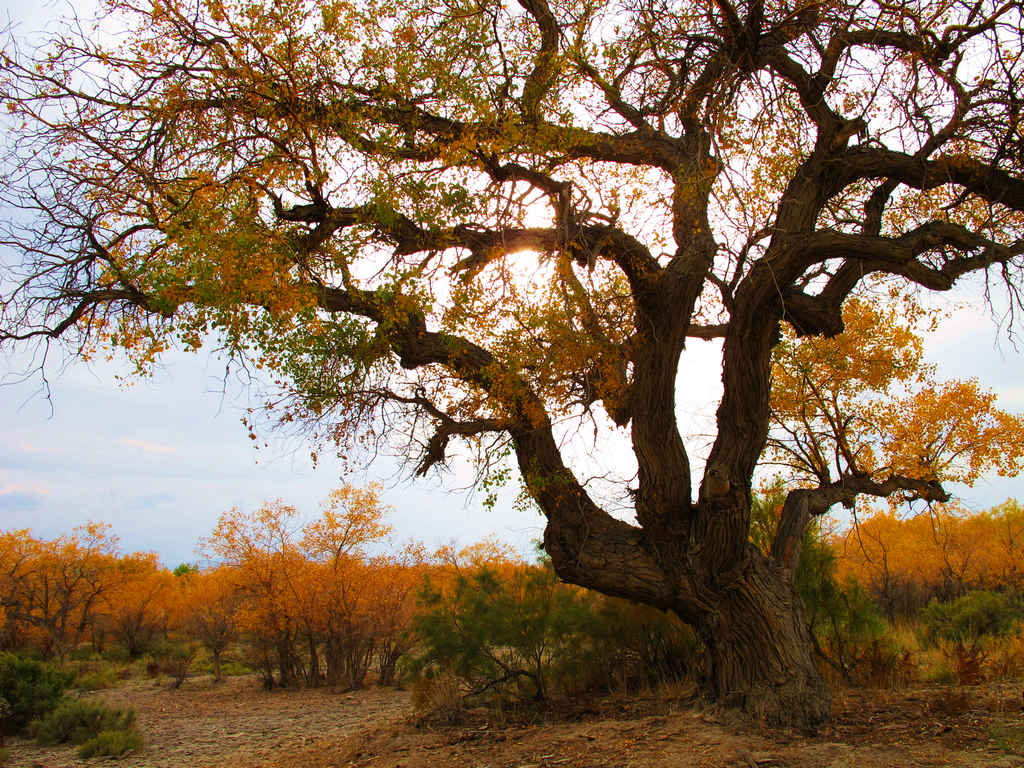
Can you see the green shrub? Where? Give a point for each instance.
(970, 623)
(174, 659)
(971, 620)
(30, 687)
(97, 680)
(76, 721)
(83, 653)
(111, 744)
(523, 635)
(942, 674)
(117, 653)
(626, 646)
(5, 755)
(202, 664)
(852, 635)
(95, 675)
(235, 668)
(496, 634)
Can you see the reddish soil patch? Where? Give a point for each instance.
(239, 724)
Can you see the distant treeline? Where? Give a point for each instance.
(307, 605)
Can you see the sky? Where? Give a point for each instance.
(160, 459)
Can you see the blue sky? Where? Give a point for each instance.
(162, 458)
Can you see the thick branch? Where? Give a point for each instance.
(542, 77)
(587, 545)
(803, 504)
(982, 179)
(899, 255)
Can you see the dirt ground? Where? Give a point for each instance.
(237, 723)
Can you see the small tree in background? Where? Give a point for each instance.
(212, 602)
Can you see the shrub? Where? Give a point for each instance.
(174, 659)
(111, 744)
(83, 653)
(1006, 661)
(627, 646)
(970, 623)
(76, 721)
(854, 638)
(231, 668)
(522, 635)
(496, 634)
(117, 653)
(940, 674)
(95, 675)
(31, 688)
(439, 696)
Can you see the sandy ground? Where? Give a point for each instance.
(239, 724)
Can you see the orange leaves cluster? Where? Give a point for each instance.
(904, 562)
(865, 403)
(351, 519)
(315, 605)
(144, 601)
(56, 593)
(951, 431)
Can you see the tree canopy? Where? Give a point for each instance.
(486, 221)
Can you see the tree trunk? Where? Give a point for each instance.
(332, 661)
(217, 674)
(285, 661)
(761, 653)
(387, 661)
(313, 668)
(742, 603)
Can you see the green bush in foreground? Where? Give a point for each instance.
(78, 722)
(971, 624)
(519, 634)
(30, 687)
(111, 744)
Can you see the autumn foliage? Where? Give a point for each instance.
(866, 406)
(327, 601)
(310, 603)
(498, 225)
(943, 553)
(54, 592)
(315, 605)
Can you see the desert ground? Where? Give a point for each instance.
(237, 723)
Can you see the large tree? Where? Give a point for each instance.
(481, 221)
